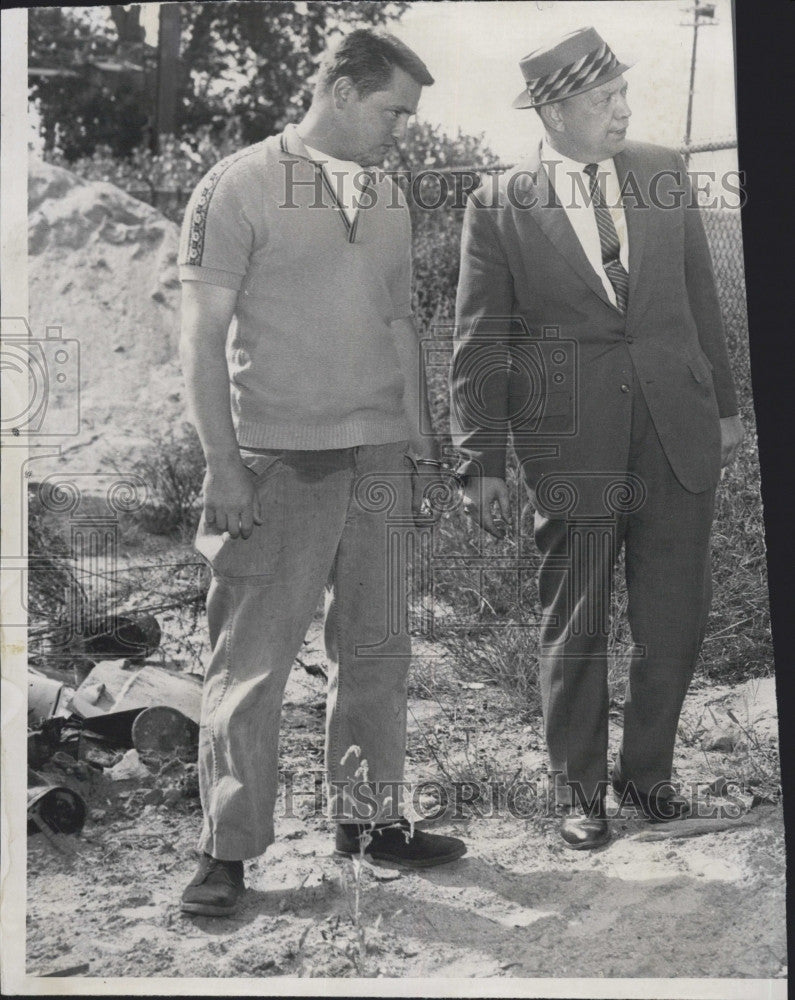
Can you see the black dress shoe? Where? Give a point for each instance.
(584, 833)
(663, 806)
(215, 889)
(393, 844)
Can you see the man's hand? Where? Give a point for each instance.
(480, 496)
(732, 433)
(230, 499)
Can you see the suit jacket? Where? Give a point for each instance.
(542, 355)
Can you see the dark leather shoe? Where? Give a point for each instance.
(392, 844)
(216, 888)
(663, 806)
(584, 833)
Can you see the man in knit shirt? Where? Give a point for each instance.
(302, 367)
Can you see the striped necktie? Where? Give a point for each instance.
(608, 239)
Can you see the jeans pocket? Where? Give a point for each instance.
(261, 462)
(255, 556)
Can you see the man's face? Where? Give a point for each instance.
(595, 123)
(371, 125)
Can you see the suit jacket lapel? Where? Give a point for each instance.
(636, 214)
(550, 216)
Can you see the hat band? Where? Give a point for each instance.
(575, 76)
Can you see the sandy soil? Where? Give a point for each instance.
(102, 266)
(654, 903)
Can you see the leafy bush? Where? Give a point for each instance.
(164, 179)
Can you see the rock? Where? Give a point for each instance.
(70, 766)
(99, 757)
(129, 768)
(154, 797)
(172, 796)
(718, 786)
(754, 706)
(385, 874)
(189, 782)
(723, 737)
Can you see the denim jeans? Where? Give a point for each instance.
(326, 518)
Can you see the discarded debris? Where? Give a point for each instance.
(698, 827)
(95, 754)
(46, 697)
(57, 807)
(115, 687)
(115, 727)
(163, 729)
(129, 767)
(125, 739)
(122, 636)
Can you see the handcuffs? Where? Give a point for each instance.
(444, 468)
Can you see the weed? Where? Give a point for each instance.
(173, 468)
(755, 761)
(353, 873)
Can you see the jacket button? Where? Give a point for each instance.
(625, 387)
(630, 339)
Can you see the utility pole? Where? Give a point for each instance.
(703, 16)
(168, 41)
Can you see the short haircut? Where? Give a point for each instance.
(368, 56)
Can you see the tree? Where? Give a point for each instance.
(89, 73)
(257, 63)
(93, 75)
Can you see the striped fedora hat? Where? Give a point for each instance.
(577, 62)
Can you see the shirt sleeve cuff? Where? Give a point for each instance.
(211, 276)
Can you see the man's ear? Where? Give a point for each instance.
(342, 90)
(552, 118)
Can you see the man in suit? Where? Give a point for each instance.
(589, 329)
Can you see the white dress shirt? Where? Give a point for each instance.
(572, 186)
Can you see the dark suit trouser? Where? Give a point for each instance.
(666, 546)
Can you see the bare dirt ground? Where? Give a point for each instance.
(654, 903)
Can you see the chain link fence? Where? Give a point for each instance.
(724, 233)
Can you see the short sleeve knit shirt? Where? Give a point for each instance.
(311, 353)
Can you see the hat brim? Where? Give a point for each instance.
(524, 100)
